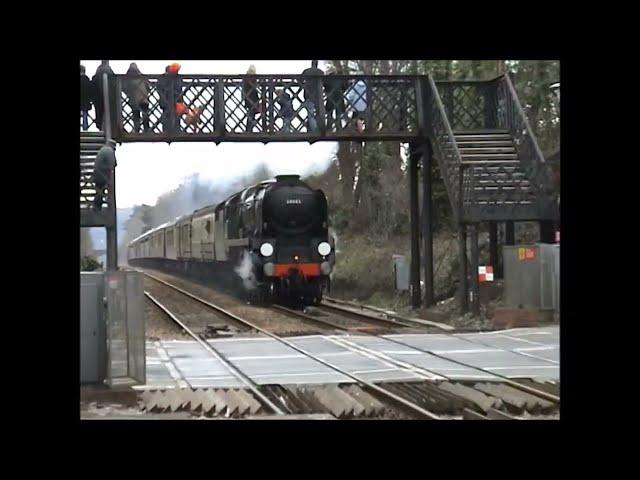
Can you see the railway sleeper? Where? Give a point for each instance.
(290, 400)
(305, 398)
(162, 403)
(205, 404)
(450, 403)
(153, 401)
(254, 405)
(279, 397)
(337, 402)
(427, 402)
(244, 406)
(479, 399)
(212, 404)
(494, 414)
(360, 409)
(373, 407)
(516, 400)
(230, 403)
(546, 386)
(193, 399)
(440, 402)
(469, 414)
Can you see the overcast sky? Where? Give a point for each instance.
(147, 170)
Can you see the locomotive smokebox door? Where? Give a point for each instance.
(400, 272)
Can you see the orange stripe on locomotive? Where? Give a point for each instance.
(306, 269)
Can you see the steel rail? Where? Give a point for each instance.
(389, 314)
(416, 409)
(533, 391)
(308, 318)
(368, 317)
(329, 323)
(254, 387)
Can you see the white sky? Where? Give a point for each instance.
(147, 170)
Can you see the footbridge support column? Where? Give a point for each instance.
(427, 220)
(414, 156)
(463, 291)
(473, 271)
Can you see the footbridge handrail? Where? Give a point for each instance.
(511, 116)
(445, 147)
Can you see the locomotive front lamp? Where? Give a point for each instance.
(324, 249)
(266, 249)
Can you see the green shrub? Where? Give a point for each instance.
(89, 264)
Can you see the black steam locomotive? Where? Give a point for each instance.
(274, 236)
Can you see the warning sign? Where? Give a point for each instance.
(526, 253)
(485, 273)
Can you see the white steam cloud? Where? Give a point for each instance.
(245, 272)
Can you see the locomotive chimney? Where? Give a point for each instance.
(283, 178)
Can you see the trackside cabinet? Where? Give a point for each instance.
(93, 343)
(400, 272)
(112, 334)
(532, 276)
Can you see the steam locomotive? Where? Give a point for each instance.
(273, 237)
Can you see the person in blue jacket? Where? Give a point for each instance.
(357, 98)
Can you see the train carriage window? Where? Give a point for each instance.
(207, 226)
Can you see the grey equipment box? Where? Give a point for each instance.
(532, 276)
(93, 342)
(112, 340)
(400, 272)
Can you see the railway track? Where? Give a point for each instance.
(410, 397)
(527, 388)
(344, 321)
(250, 384)
(413, 410)
(382, 314)
(351, 309)
(279, 323)
(197, 316)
